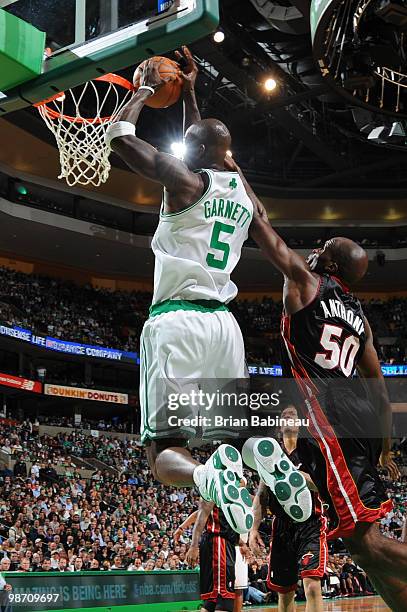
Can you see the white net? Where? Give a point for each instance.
(83, 154)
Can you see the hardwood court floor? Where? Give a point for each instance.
(357, 604)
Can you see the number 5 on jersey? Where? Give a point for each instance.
(218, 245)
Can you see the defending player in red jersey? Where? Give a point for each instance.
(327, 337)
(296, 549)
(216, 550)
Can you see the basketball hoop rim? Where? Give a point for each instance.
(115, 79)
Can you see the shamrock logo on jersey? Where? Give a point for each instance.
(233, 183)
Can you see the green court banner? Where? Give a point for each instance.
(73, 590)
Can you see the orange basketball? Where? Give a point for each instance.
(171, 91)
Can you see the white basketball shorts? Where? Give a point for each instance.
(190, 360)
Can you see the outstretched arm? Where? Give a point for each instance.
(189, 74)
(292, 265)
(369, 368)
(183, 185)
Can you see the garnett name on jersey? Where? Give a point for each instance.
(228, 209)
(336, 309)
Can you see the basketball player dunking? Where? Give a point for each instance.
(326, 338)
(191, 335)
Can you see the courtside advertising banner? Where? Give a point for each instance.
(94, 395)
(71, 348)
(20, 383)
(78, 590)
(388, 369)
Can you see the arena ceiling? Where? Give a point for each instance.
(30, 153)
(302, 141)
(300, 146)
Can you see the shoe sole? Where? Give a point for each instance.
(235, 502)
(282, 477)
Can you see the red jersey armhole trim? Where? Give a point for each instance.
(340, 283)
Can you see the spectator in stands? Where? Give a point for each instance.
(14, 561)
(46, 566)
(122, 520)
(24, 565)
(117, 563)
(77, 565)
(258, 574)
(136, 566)
(20, 468)
(62, 565)
(357, 575)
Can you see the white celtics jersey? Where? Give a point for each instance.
(197, 249)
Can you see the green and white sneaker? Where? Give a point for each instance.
(276, 470)
(219, 481)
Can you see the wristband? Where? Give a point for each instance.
(147, 87)
(120, 128)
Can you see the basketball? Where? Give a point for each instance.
(171, 91)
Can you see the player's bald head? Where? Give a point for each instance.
(207, 142)
(210, 132)
(341, 257)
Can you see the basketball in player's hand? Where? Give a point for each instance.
(170, 92)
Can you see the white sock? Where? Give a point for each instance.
(198, 474)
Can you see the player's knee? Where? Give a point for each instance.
(312, 588)
(285, 600)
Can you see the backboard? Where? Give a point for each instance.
(88, 38)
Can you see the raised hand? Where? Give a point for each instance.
(190, 71)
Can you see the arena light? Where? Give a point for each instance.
(219, 36)
(270, 84)
(178, 149)
(392, 134)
